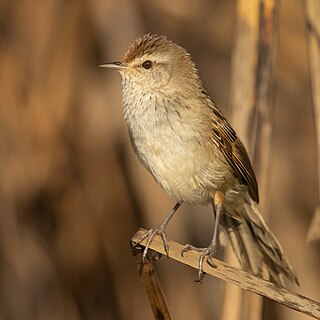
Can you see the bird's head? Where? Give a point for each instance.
(154, 62)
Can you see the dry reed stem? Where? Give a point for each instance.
(251, 98)
(243, 78)
(269, 21)
(151, 284)
(237, 277)
(312, 16)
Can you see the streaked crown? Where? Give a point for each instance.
(150, 44)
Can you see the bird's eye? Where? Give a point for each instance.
(147, 64)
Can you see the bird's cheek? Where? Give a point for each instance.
(140, 80)
(161, 79)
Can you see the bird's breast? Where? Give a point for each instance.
(173, 150)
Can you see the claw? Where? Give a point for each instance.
(210, 263)
(201, 273)
(207, 253)
(145, 235)
(149, 235)
(185, 249)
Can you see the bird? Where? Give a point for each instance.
(185, 142)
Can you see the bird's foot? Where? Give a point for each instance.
(149, 235)
(206, 253)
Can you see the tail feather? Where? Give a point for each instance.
(243, 245)
(256, 247)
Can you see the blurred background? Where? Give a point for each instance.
(72, 193)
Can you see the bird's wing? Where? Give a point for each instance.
(234, 151)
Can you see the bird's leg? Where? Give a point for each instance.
(160, 230)
(211, 250)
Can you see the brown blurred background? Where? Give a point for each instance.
(72, 193)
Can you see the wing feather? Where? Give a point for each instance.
(234, 151)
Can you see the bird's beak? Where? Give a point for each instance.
(113, 65)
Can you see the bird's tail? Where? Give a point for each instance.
(256, 246)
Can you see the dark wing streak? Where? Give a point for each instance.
(241, 163)
(233, 150)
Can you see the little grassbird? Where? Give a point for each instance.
(188, 146)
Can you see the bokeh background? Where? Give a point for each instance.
(72, 193)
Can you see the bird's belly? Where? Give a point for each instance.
(182, 166)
